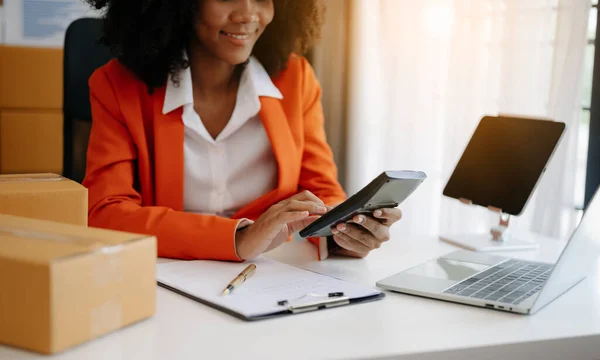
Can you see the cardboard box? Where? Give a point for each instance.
(45, 197)
(31, 141)
(31, 78)
(62, 285)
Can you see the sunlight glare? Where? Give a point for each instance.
(439, 19)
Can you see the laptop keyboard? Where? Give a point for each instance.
(510, 282)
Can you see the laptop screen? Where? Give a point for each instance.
(578, 258)
(503, 162)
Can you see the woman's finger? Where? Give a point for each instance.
(298, 225)
(267, 228)
(357, 233)
(333, 206)
(389, 215)
(275, 228)
(307, 196)
(345, 252)
(379, 230)
(347, 243)
(285, 217)
(298, 205)
(301, 196)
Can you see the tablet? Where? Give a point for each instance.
(504, 161)
(388, 190)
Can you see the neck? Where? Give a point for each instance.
(210, 75)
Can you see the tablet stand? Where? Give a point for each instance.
(498, 239)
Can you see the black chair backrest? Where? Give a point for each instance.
(83, 54)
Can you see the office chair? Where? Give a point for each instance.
(83, 53)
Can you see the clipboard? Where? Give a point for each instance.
(275, 290)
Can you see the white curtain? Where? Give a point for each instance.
(423, 73)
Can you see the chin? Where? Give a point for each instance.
(234, 58)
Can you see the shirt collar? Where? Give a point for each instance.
(254, 76)
(260, 79)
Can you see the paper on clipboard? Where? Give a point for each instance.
(260, 295)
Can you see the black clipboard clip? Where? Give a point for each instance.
(316, 305)
(330, 300)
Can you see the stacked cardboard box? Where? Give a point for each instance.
(63, 284)
(44, 196)
(31, 95)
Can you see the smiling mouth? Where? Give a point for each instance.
(239, 36)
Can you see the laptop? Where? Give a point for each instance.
(504, 283)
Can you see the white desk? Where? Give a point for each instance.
(399, 326)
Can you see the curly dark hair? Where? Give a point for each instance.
(149, 36)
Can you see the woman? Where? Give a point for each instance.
(208, 131)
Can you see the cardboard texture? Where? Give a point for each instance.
(31, 78)
(45, 197)
(31, 95)
(31, 141)
(63, 285)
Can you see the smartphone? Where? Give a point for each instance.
(388, 190)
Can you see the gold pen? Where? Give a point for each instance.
(246, 273)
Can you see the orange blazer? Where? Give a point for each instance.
(134, 171)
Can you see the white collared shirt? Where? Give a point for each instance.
(222, 175)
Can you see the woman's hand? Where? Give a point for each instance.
(365, 233)
(280, 221)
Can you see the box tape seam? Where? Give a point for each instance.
(32, 179)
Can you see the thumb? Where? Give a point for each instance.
(298, 225)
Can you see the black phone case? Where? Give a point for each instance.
(388, 190)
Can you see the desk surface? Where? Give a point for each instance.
(398, 325)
